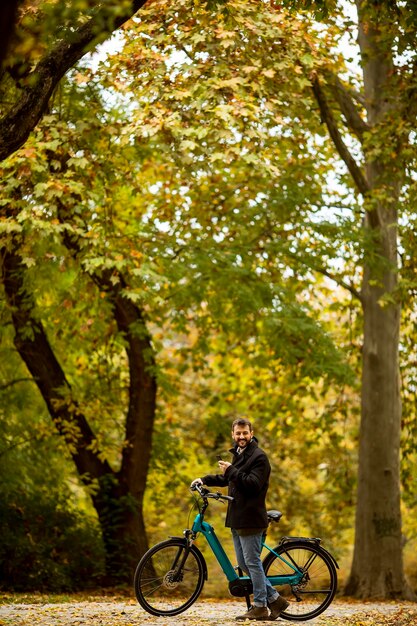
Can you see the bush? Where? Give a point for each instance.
(46, 546)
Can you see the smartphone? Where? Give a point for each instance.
(218, 457)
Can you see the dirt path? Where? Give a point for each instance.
(203, 613)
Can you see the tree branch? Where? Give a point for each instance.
(22, 442)
(17, 124)
(340, 282)
(328, 118)
(4, 386)
(322, 270)
(354, 121)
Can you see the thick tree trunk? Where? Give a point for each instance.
(119, 497)
(120, 514)
(131, 479)
(136, 452)
(377, 568)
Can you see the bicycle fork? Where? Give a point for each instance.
(180, 559)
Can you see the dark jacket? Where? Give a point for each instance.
(248, 481)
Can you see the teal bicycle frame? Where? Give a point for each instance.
(200, 526)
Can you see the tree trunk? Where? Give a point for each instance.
(119, 497)
(136, 454)
(129, 489)
(120, 514)
(377, 568)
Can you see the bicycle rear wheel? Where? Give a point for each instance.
(167, 579)
(316, 590)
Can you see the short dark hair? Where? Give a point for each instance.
(242, 421)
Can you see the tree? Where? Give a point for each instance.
(59, 36)
(117, 496)
(381, 123)
(117, 491)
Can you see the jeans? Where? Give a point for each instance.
(248, 553)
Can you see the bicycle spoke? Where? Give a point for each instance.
(168, 579)
(316, 589)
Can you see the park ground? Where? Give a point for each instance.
(122, 610)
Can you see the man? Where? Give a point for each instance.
(248, 479)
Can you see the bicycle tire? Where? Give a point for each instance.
(155, 588)
(316, 591)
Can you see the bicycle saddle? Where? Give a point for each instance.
(274, 516)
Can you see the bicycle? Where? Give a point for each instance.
(171, 575)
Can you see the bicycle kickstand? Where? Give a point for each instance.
(247, 596)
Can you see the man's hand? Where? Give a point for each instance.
(196, 481)
(224, 465)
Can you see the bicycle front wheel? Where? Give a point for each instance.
(318, 586)
(169, 577)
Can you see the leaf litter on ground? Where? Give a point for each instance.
(120, 609)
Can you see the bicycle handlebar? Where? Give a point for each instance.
(205, 493)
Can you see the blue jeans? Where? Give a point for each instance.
(248, 553)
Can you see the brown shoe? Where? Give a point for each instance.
(259, 613)
(277, 607)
